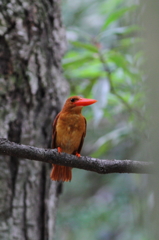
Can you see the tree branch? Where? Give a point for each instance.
(84, 162)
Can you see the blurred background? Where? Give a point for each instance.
(104, 61)
(112, 55)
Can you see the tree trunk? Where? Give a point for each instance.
(32, 88)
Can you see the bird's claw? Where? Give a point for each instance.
(59, 150)
(78, 155)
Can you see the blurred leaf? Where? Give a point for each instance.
(118, 59)
(77, 60)
(126, 42)
(87, 46)
(109, 6)
(116, 15)
(92, 71)
(112, 138)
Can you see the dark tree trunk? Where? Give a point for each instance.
(32, 88)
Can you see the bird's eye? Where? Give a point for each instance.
(73, 100)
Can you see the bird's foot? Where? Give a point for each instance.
(77, 154)
(59, 150)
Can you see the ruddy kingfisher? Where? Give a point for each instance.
(69, 130)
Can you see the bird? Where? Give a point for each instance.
(68, 132)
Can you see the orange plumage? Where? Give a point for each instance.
(69, 130)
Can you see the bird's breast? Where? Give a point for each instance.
(70, 130)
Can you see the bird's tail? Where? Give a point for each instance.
(61, 173)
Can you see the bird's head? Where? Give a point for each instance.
(76, 103)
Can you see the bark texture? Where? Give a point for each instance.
(84, 162)
(32, 88)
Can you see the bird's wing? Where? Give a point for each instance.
(53, 144)
(82, 138)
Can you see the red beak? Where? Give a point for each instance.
(84, 102)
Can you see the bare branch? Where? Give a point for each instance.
(84, 162)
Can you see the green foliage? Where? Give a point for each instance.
(87, 46)
(102, 62)
(115, 16)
